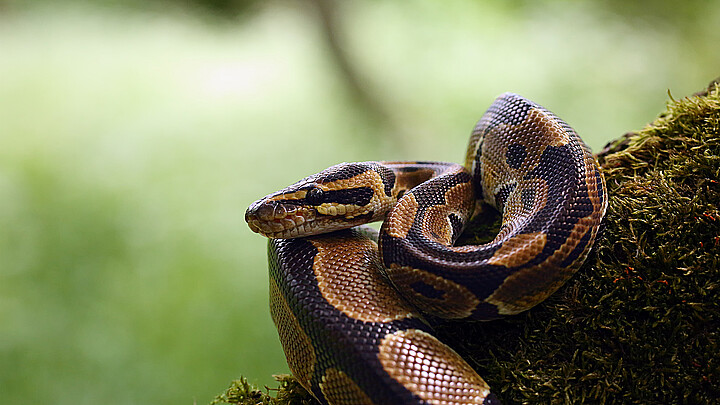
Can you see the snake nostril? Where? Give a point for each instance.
(265, 212)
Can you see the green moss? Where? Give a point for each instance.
(289, 392)
(640, 321)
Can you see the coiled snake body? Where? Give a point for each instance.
(347, 303)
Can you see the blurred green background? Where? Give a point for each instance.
(134, 134)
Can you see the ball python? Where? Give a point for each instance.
(348, 303)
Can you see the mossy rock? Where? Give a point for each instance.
(640, 321)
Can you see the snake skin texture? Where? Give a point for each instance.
(349, 304)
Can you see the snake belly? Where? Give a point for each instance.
(347, 309)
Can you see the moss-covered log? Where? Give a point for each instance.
(640, 321)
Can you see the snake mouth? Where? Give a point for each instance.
(279, 220)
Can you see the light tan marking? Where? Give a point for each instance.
(599, 204)
(402, 217)
(554, 134)
(519, 249)
(407, 180)
(296, 344)
(339, 389)
(436, 223)
(297, 195)
(515, 213)
(460, 199)
(430, 369)
(514, 207)
(348, 210)
(457, 301)
(348, 276)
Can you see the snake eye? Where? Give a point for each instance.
(314, 196)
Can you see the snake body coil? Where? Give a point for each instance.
(345, 306)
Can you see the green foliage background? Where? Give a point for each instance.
(134, 135)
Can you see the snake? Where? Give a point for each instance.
(352, 305)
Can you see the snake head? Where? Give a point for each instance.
(339, 197)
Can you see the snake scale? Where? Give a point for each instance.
(349, 303)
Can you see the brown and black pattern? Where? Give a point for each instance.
(339, 197)
(536, 170)
(353, 338)
(367, 345)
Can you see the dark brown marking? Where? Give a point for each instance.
(456, 302)
(515, 155)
